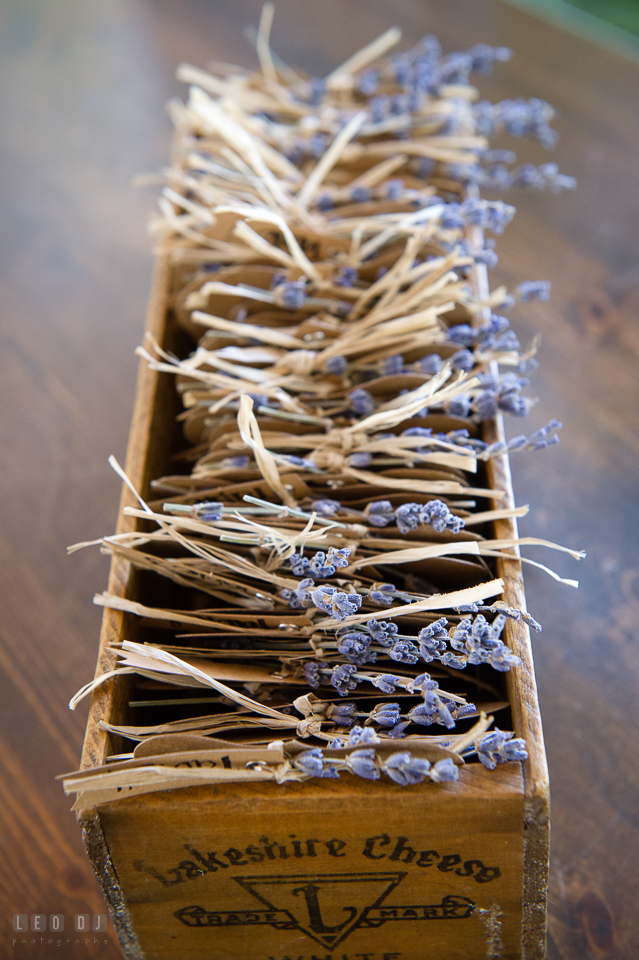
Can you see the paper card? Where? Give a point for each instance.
(177, 743)
(219, 304)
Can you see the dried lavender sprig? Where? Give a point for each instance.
(473, 642)
(320, 564)
(546, 436)
(284, 511)
(408, 516)
(306, 593)
(365, 762)
(209, 510)
(389, 716)
(490, 214)
(436, 708)
(519, 118)
(499, 606)
(494, 175)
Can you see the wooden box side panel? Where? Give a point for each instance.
(148, 435)
(325, 869)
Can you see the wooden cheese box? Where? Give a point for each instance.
(323, 870)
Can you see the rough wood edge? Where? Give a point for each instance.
(106, 699)
(522, 694)
(521, 686)
(98, 853)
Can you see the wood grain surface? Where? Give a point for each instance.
(82, 92)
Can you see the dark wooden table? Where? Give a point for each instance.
(83, 87)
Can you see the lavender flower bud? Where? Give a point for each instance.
(405, 769)
(393, 365)
(317, 145)
(462, 333)
(310, 762)
(339, 558)
(361, 194)
(317, 91)
(379, 107)
(293, 295)
(240, 463)
(312, 673)
(452, 217)
(404, 652)
(299, 564)
(382, 631)
(494, 748)
(459, 406)
(485, 405)
(562, 182)
(450, 660)
(421, 716)
(431, 364)
(502, 659)
(444, 771)
(276, 280)
(325, 508)
(360, 460)
(407, 516)
(303, 591)
(209, 511)
(347, 277)
(386, 682)
(511, 402)
(362, 735)
(438, 515)
(380, 513)
(335, 603)
(394, 189)
(330, 772)
(355, 646)
(531, 621)
(515, 750)
(386, 714)
(298, 461)
(259, 399)
(455, 67)
(396, 732)
(362, 764)
(533, 290)
(324, 202)
(398, 102)
(425, 168)
(367, 82)
(377, 596)
(433, 640)
(336, 365)
(342, 714)
(342, 678)
(319, 567)
(482, 57)
(361, 402)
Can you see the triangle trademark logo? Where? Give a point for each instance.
(327, 907)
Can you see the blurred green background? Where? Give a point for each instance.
(620, 13)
